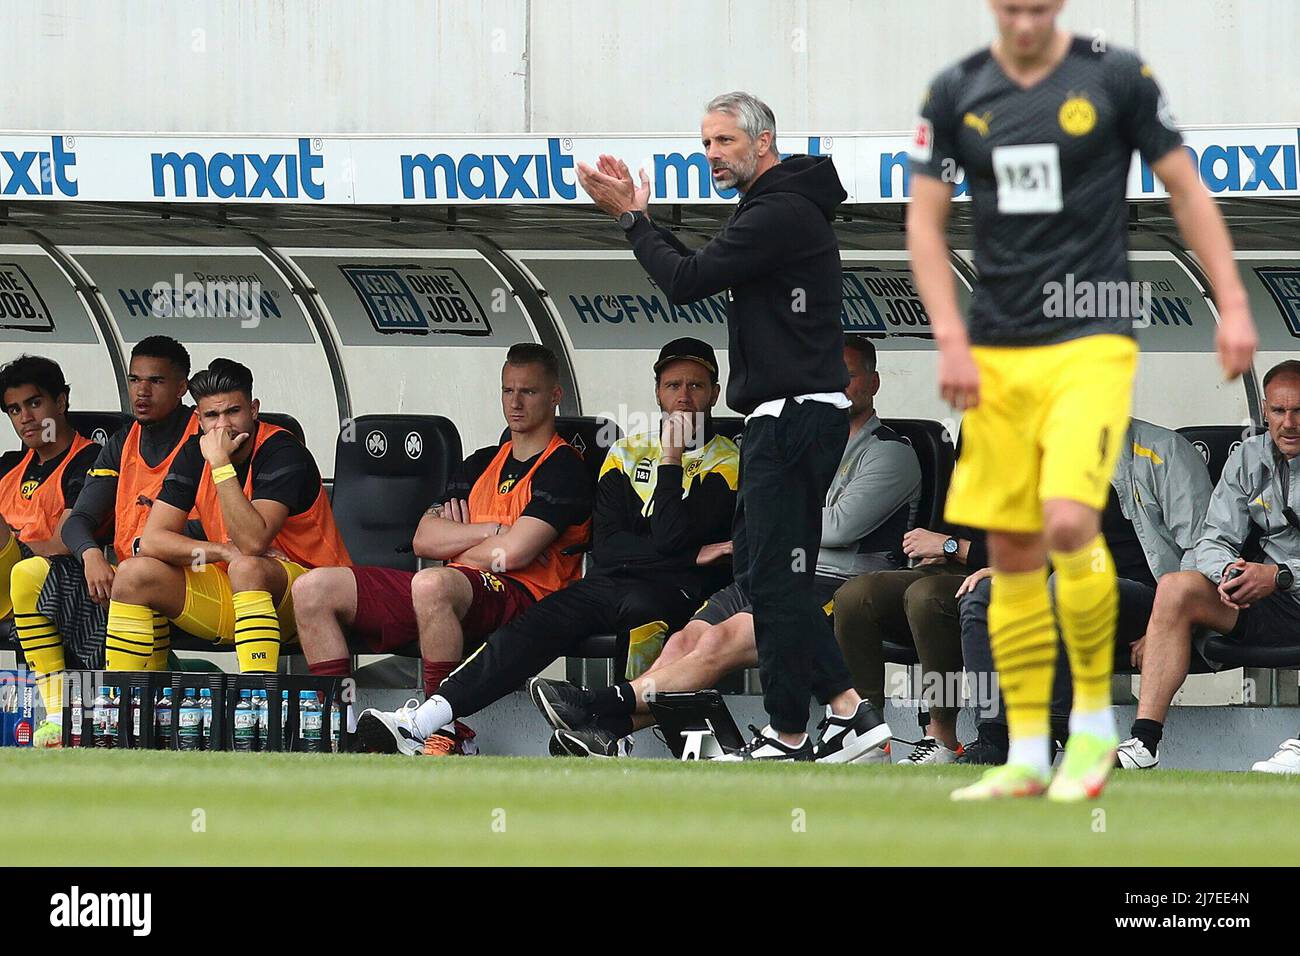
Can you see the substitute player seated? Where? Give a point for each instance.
(258, 495)
(38, 485)
(871, 503)
(509, 528)
(1244, 582)
(663, 512)
(66, 596)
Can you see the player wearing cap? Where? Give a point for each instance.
(257, 493)
(510, 528)
(1045, 125)
(38, 485)
(664, 503)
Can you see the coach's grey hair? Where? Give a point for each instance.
(748, 110)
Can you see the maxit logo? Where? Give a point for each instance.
(240, 175)
(491, 175)
(39, 172)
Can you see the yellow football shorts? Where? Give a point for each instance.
(209, 610)
(1050, 424)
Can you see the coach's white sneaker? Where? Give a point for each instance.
(1132, 754)
(853, 738)
(1286, 760)
(390, 731)
(928, 752)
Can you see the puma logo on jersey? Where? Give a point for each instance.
(979, 124)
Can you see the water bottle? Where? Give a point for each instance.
(260, 708)
(335, 715)
(100, 711)
(245, 722)
(189, 723)
(135, 717)
(114, 714)
(284, 719)
(205, 719)
(309, 720)
(74, 688)
(163, 713)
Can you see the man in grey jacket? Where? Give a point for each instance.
(1159, 494)
(871, 503)
(1240, 575)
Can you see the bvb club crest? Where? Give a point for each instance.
(1077, 116)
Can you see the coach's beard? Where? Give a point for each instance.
(738, 177)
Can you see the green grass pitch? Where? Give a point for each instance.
(88, 807)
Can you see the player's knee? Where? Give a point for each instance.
(720, 648)
(1069, 526)
(434, 589)
(858, 598)
(924, 597)
(28, 576)
(136, 580)
(251, 573)
(679, 644)
(320, 591)
(1178, 596)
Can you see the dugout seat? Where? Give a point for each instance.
(98, 426)
(285, 421)
(1220, 650)
(729, 426)
(934, 449)
(1217, 442)
(387, 470)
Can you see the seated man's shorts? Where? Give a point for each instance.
(729, 601)
(385, 620)
(209, 610)
(1274, 620)
(1050, 423)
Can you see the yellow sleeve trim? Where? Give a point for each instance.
(1141, 452)
(102, 473)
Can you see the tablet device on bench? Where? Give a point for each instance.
(682, 712)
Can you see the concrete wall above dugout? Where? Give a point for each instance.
(579, 66)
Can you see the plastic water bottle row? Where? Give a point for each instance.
(192, 721)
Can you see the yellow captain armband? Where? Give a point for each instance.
(221, 474)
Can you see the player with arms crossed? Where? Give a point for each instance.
(1044, 125)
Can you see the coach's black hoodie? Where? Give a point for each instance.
(780, 262)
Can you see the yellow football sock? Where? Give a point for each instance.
(129, 645)
(1022, 633)
(40, 640)
(257, 632)
(162, 643)
(10, 555)
(1087, 602)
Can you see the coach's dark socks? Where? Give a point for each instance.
(1149, 732)
(616, 726)
(616, 701)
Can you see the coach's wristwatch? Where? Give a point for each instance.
(1284, 578)
(950, 547)
(630, 218)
